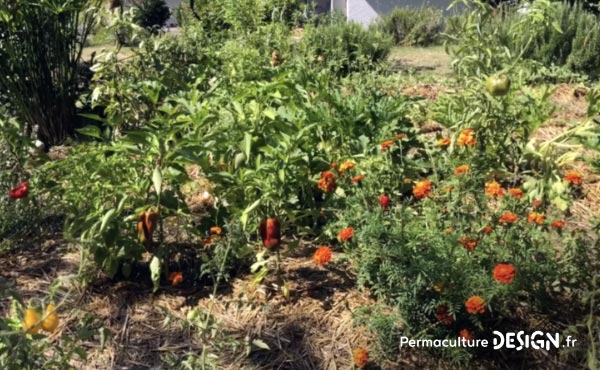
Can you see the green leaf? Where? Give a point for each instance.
(91, 131)
(107, 217)
(157, 180)
(155, 272)
(247, 144)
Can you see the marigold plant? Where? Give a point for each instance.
(573, 177)
(327, 182)
(516, 192)
(466, 138)
(386, 145)
(422, 189)
(475, 305)
(460, 170)
(322, 256)
(443, 315)
(504, 273)
(493, 189)
(535, 217)
(361, 357)
(443, 142)
(346, 234)
(468, 243)
(508, 218)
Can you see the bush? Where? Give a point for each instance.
(413, 26)
(40, 64)
(152, 14)
(551, 34)
(345, 47)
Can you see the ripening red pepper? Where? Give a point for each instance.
(384, 200)
(146, 225)
(270, 233)
(20, 191)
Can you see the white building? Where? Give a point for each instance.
(361, 11)
(366, 11)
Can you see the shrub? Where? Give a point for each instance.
(152, 14)
(413, 26)
(345, 47)
(40, 64)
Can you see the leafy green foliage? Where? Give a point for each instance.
(152, 14)
(40, 62)
(413, 26)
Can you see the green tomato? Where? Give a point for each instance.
(498, 85)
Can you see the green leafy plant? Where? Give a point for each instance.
(40, 48)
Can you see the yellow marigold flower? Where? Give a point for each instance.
(462, 169)
(535, 217)
(466, 138)
(443, 142)
(361, 356)
(493, 189)
(422, 189)
(348, 165)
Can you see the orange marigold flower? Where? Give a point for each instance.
(448, 231)
(516, 192)
(216, 230)
(443, 142)
(176, 278)
(422, 189)
(462, 169)
(327, 182)
(443, 315)
(333, 165)
(465, 334)
(535, 217)
(468, 243)
(361, 356)
(322, 256)
(400, 136)
(357, 179)
(493, 189)
(466, 138)
(558, 224)
(504, 273)
(573, 177)
(536, 203)
(487, 229)
(508, 218)
(475, 304)
(386, 145)
(346, 234)
(348, 165)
